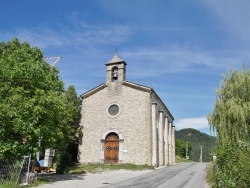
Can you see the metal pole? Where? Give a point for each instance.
(201, 154)
(187, 150)
(187, 145)
(38, 153)
(28, 170)
(20, 170)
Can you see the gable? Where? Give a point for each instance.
(133, 86)
(137, 86)
(125, 83)
(151, 91)
(93, 91)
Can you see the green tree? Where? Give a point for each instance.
(181, 147)
(233, 166)
(231, 115)
(231, 121)
(74, 112)
(32, 101)
(69, 146)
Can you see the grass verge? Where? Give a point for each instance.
(97, 168)
(39, 182)
(210, 174)
(179, 159)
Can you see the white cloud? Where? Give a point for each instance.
(194, 123)
(158, 61)
(154, 61)
(62, 37)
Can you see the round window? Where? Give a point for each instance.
(113, 110)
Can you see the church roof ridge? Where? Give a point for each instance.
(143, 87)
(115, 59)
(92, 91)
(146, 89)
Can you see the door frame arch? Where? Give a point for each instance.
(121, 140)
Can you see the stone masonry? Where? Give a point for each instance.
(143, 124)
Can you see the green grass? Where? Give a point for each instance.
(179, 159)
(11, 183)
(210, 174)
(8, 184)
(39, 182)
(97, 168)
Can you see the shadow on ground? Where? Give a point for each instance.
(61, 177)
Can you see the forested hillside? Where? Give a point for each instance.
(196, 140)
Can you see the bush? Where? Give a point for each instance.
(63, 162)
(10, 181)
(232, 166)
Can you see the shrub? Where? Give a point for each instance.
(233, 166)
(63, 162)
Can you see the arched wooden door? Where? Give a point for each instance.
(112, 148)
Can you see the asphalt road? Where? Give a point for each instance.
(183, 175)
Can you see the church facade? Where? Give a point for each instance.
(124, 122)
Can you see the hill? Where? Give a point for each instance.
(197, 140)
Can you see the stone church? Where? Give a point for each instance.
(124, 122)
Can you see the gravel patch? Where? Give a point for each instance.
(89, 180)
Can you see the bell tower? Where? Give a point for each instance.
(115, 70)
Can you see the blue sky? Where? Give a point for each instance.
(180, 48)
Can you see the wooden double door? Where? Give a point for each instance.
(112, 148)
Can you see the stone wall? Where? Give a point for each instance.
(133, 123)
(162, 133)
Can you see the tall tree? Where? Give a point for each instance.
(72, 119)
(231, 115)
(182, 150)
(68, 147)
(32, 104)
(73, 111)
